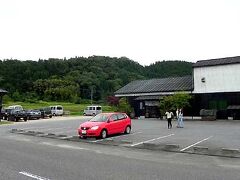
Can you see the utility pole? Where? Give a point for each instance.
(91, 94)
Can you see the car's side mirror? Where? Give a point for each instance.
(109, 120)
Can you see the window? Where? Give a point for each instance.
(99, 118)
(121, 116)
(59, 108)
(99, 108)
(114, 117)
(141, 105)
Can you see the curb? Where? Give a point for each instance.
(201, 150)
(230, 152)
(164, 147)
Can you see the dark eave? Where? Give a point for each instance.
(216, 62)
(2, 91)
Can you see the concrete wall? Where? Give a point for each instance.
(222, 78)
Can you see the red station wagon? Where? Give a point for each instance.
(105, 124)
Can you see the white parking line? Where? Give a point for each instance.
(151, 140)
(195, 143)
(71, 147)
(116, 137)
(102, 140)
(33, 176)
(64, 146)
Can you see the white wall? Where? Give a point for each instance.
(222, 78)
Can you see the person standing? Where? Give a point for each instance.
(177, 116)
(180, 119)
(169, 115)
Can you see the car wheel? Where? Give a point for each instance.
(94, 114)
(103, 134)
(128, 130)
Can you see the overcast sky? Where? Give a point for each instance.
(145, 31)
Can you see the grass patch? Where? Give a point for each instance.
(74, 109)
(5, 122)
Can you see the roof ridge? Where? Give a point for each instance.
(219, 58)
(219, 61)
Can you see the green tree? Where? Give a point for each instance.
(124, 106)
(56, 89)
(172, 102)
(103, 74)
(181, 100)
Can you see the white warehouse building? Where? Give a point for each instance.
(215, 84)
(217, 76)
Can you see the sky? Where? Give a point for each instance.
(145, 31)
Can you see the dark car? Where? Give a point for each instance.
(5, 113)
(46, 112)
(16, 115)
(33, 114)
(2, 113)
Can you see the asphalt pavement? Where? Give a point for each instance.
(25, 157)
(210, 134)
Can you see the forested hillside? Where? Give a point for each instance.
(74, 79)
(168, 68)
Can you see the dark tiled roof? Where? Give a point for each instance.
(214, 62)
(158, 85)
(3, 91)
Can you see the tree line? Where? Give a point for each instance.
(77, 79)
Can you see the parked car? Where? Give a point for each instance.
(5, 113)
(16, 107)
(92, 110)
(105, 124)
(57, 110)
(46, 112)
(16, 115)
(33, 114)
(2, 114)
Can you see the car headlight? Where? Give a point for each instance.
(94, 127)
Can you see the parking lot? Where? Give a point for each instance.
(213, 135)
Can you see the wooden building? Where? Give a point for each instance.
(215, 84)
(144, 95)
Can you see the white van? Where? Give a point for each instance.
(92, 110)
(15, 107)
(57, 110)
